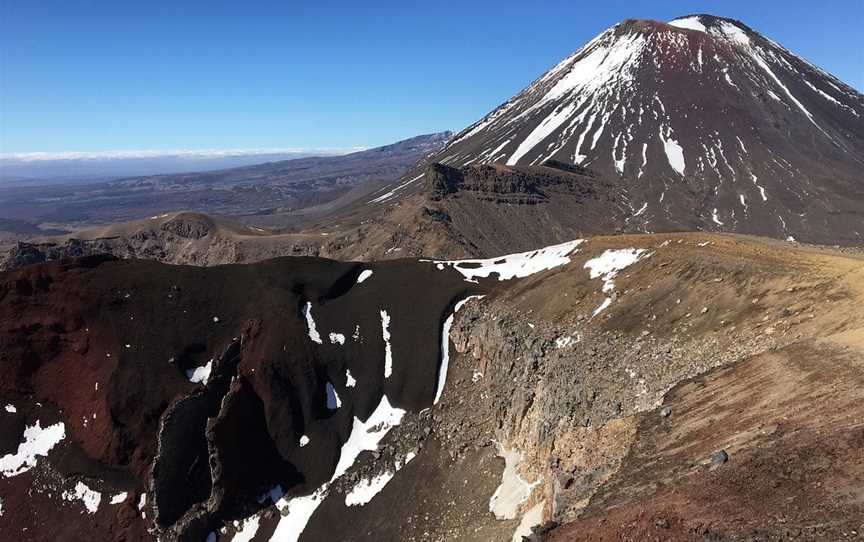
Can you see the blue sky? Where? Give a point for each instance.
(109, 75)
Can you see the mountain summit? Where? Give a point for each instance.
(705, 123)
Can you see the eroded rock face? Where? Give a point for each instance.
(614, 414)
(516, 185)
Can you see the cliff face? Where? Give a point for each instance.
(703, 353)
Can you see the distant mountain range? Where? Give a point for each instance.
(272, 190)
(41, 168)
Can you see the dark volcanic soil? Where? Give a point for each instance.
(105, 346)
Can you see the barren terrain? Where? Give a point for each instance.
(612, 414)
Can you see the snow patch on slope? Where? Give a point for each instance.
(445, 347)
(364, 436)
(119, 498)
(691, 23)
(674, 151)
(388, 350)
(732, 32)
(384, 197)
(83, 493)
(598, 66)
(200, 375)
(37, 441)
(310, 324)
(541, 132)
(513, 266)
(248, 529)
(607, 266)
(532, 518)
(366, 489)
(513, 490)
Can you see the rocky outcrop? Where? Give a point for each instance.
(189, 226)
(508, 185)
(486, 182)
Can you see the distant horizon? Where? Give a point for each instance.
(52, 167)
(93, 80)
(132, 154)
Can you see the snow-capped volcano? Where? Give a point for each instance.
(706, 123)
